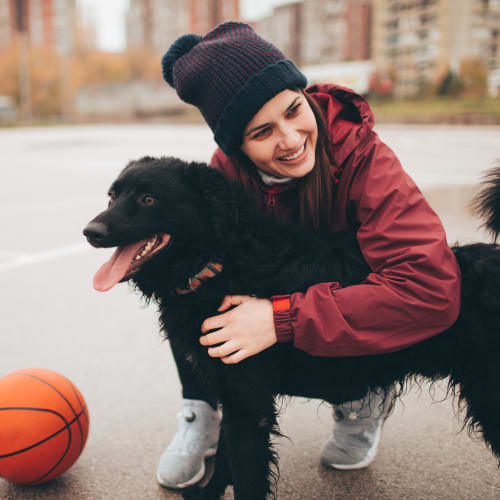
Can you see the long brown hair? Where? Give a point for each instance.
(317, 188)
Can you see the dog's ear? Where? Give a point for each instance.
(226, 202)
(146, 159)
(140, 161)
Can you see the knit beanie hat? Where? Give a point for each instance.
(229, 74)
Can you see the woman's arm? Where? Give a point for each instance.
(414, 290)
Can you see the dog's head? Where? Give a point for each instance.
(159, 217)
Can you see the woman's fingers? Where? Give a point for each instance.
(214, 323)
(232, 300)
(244, 331)
(214, 338)
(222, 351)
(226, 304)
(236, 357)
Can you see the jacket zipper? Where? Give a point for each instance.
(271, 202)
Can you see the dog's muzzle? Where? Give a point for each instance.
(96, 233)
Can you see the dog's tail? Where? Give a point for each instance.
(473, 348)
(486, 204)
(480, 262)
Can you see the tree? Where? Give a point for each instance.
(450, 84)
(474, 74)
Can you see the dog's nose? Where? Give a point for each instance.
(95, 232)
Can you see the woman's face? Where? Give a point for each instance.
(281, 138)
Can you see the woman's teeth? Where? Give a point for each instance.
(296, 155)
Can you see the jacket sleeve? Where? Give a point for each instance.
(413, 291)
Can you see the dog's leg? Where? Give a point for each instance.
(247, 432)
(221, 477)
(479, 400)
(244, 456)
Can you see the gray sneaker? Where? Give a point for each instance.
(356, 432)
(183, 462)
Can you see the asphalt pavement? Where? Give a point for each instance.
(54, 179)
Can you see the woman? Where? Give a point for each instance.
(309, 156)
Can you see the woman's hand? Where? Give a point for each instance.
(243, 331)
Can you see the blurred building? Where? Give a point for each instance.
(283, 28)
(335, 30)
(320, 31)
(49, 23)
(206, 14)
(155, 24)
(419, 40)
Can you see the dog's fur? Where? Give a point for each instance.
(211, 219)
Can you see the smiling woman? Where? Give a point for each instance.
(309, 155)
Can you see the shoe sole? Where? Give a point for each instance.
(195, 479)
(370, 456)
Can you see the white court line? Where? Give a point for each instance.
(29, 259)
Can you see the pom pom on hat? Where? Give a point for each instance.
(179, 48)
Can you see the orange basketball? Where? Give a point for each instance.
(44, 425)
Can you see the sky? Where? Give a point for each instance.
(109, 15)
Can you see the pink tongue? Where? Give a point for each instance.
(110, 273)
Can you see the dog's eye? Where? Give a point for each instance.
(148, 200)
(111, 195)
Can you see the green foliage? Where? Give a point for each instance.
(450, 85)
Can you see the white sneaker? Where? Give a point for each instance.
(356, 433)
(183, 462)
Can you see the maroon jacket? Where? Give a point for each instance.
(413, 291)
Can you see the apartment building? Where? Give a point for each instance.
(157, 23)
(419, 40)
(283, 29)
(49, 23)
(319, 31)
(335, 30)
(206, 14)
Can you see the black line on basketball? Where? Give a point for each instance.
(67, 427)
(58, 462)
(44, 440)
(75, 392)
(77, 418)
(50, 385)
(60, 394)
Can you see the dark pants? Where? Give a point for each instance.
(191, 389)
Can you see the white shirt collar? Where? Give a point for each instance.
(269, 180)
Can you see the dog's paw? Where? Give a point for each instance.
(206, 493)
(194, 493)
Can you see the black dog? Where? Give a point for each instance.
(171, 219)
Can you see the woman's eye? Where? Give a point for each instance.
(148, 200)
(293, 111)
(261, 133)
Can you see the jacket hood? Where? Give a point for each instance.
(349, 118)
